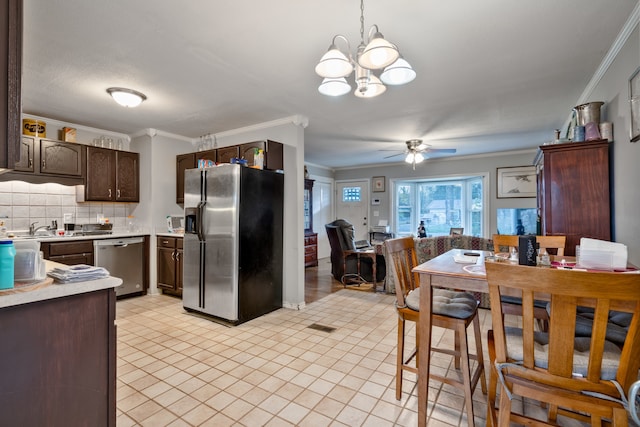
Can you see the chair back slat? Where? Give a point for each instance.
(403, 260)
(527, 329)
(567, 290)
(561, 334)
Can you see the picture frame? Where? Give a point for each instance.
(516, 182)
(456, 231)
(634, 105)
(378, 184)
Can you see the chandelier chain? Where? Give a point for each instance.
(362, 21)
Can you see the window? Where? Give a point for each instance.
(351, 194)
(441, 204)
(518, 221)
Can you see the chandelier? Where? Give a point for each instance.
(374, 55)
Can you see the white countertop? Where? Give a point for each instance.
(167, 234)
(57, 290)
(114, 235)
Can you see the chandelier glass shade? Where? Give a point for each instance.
(334, 86)
(373, 55)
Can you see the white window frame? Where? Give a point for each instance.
(486, 209)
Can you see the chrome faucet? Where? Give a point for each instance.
(33, 229)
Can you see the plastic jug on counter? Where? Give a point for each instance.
(7, 257)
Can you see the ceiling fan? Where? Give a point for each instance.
(416, 149)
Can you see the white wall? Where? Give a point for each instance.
(472, 165)
(159, 150)
(613, 90)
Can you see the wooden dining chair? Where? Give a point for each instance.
(513, 305)
(580, 377)
(504, 242)
(451, 310)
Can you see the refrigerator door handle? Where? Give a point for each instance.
(201, 206)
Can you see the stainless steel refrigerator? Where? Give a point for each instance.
(233, 242)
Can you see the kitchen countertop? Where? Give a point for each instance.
(57, 290)
(114, 235)
(167, 234)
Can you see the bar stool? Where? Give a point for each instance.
(451, 310)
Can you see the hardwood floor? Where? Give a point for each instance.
(318, 281)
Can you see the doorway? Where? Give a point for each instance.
(352, 204)
(322, 212)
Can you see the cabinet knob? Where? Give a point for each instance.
(118, 193)
(44, 164)
(173, 255)
(109, 193)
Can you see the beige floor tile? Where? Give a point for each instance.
(176, 369)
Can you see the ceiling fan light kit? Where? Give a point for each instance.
(416, 150)
(376, 54)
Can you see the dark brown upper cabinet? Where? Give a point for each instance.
(112, 175)
(60, 158)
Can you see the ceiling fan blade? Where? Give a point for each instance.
(393, 155)
(440, 150)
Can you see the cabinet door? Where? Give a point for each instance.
(127, 177)
(225, 154)
(183, 162)
(166, 268)
(25, 164)
(99, 184)
(247, 151)
(60, 158)
(179, 265)
(274, 156)
(210, 155)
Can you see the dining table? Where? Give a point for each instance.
(458, 269)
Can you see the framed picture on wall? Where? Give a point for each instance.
(378, 184)
(634, 102)
(519, 181)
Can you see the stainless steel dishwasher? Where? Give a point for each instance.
(124, 259)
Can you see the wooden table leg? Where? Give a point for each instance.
(424, 349)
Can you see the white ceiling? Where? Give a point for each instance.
(493, 75)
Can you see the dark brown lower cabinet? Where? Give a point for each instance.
(69, 253)
(58, 361)
(169, 265)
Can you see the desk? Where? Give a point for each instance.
(445, 272)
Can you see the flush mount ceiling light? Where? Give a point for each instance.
(374, 55)
(126, 97)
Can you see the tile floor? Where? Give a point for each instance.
(177, 369)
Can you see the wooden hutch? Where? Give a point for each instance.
(310, 238)
(573, 191)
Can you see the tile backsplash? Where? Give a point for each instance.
(23, 203)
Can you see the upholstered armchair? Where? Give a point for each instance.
(341, 238)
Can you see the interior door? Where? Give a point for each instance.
(352, 204)
(322, 207)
